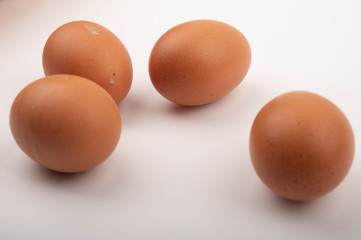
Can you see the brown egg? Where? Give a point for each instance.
(89, 50)
(65, 123)
(198, 62)
(301, 145)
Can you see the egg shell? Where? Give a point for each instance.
(301, 145)
(89, 50)
(198, 62)
(65, 123)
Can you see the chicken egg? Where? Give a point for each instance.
(65, 123)
(89, 50)
(198, 62)
(301, 145)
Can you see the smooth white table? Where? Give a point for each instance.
(183, 173)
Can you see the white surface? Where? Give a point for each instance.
(183, 173)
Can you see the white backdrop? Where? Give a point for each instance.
(183, 173)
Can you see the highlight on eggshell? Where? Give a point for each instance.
(301, 145)
(198, 62)
(90, 50)
(65, 123)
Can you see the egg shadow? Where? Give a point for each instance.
(101, 181)
(292, 205)
(332, 209)
(138, 104)
(178, 109)
(243, 186)
(145, 102)
(56, 177)
(130, 108)
(239, 99)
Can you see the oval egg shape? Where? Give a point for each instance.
(198, 62)
(65, 123)
(91, 51)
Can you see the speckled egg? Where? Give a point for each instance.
(90, 50)
(301, 145)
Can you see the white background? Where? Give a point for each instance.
(183, 173)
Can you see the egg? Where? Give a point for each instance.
(198, 62)
(65, 123)
(89, 50)
(301, 145)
